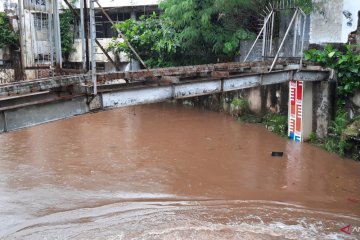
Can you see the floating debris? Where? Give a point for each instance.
(277, 154)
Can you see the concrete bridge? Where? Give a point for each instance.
(28, 103)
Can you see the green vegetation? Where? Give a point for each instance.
(239, 108)
(347, 66)
(67, 33)
(336, 142)
(276, 123)
(152, 38)
(313, 138)
(193, 32)
(240, 104)
(211, 31)
(8, 38)
(306, 5)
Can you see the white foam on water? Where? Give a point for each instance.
(187, 220)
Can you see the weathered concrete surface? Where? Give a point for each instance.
(256, 100)
(261, 99)
(40, 85)
(7, 75)
(323, 107)
(138, 96)
(312, 75)
(333, 21)
(37, 114)
(235, 84)
(2, 122)
(196, 89)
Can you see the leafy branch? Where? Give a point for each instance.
(152, 37)
(8, 37)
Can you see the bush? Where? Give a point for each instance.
(276, 123)
(8, 38)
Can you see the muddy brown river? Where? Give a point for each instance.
(171, 172)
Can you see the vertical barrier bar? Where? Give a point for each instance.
(258, 36)
(82, 36)
(92, 46)
(283, 41)
(58, 59)
(264, 38)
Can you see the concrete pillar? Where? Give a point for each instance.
(324, 100)
(307, 110)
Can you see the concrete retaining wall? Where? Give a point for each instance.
(37, 114)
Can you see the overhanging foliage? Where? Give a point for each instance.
(8, 38)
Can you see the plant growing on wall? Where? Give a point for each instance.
(306, 5)
(8, 38)
(347, 66)
(67, 33)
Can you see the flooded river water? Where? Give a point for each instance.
(171, 172)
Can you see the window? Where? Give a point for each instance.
(40, 21)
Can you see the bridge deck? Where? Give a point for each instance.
(29, 103)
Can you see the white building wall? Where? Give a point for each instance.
(122, 3)
(8, 5)
(333, 20)
(100, 57)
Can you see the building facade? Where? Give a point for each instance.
(118, 11)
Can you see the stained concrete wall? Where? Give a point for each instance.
(37, 114)
(7, 75)
(323, 106)
(261, 100)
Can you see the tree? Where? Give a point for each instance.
(211, 30)
(8, 38)
(152, 37)
(194, 31)
(67, 33)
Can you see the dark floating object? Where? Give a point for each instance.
(277, 154)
